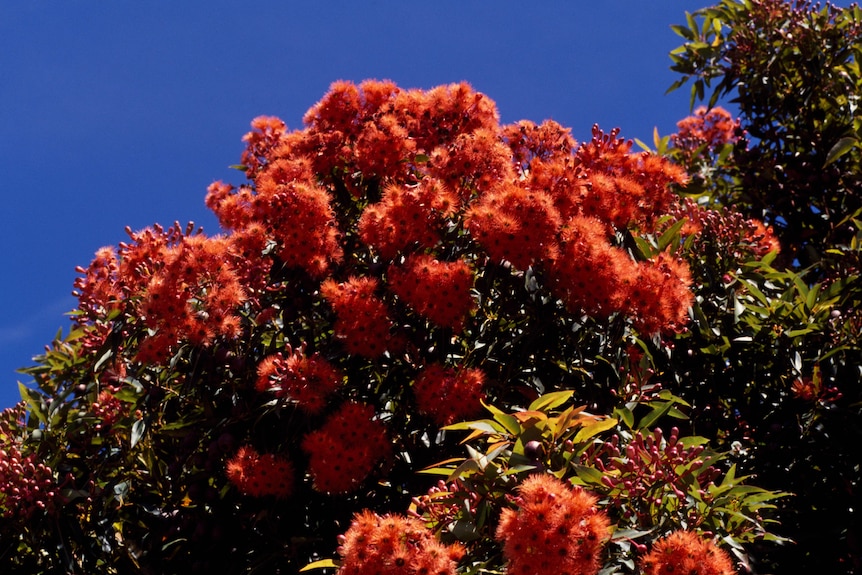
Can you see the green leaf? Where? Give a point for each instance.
(551, 400)
(589, 475)
(840, 148)
(320, 564)
(654, 415)
(686, 33)
(671, 234)
(34, 402)
(625, 414)
(139, 428)
(594, 429)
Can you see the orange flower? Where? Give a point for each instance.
(448, 395)
(438, 291)
(260, 475)
(305, 380)
(344, 451)
(685, 552)
(557, 529)
(394, 545)
(363, 322)
(406, 217)
(516, 225)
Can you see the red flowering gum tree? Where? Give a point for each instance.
(231, 401)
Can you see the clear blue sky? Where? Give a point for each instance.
(122, 113)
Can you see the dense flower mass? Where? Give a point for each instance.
(407, 217)
(384, 270)
(556, 529)
(303, 379)
(394, 545)
(259, 474)
(344, 451)
(686, 552)
(438, 291)
(363, 324)
(447, 394)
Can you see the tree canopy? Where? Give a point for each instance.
(426, 342)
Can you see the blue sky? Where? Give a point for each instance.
(122, 113)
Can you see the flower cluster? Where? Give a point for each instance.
(556, 529)
(593, 276)
(185, 287)
(724, 235)
(363, 324)
(625, 189)
(686, 552)
(260, 475)
(346, 448)
(650, 469)
(394, 545)
(707, 130)
(407, 218)
(516, 224)
(438, 291)
(27, 485)
(108, 408)
(445, 502)
(305, 380)
(447, 395)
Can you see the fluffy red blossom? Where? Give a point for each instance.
(660, 297)
(711, 129)
(394, 545)
(345, 449)
(108, 408)
(473, 163)
(556, 529)
(438, 291)
(98, 291)
(447, 395)
(299, 217)
(306, 380)
(359, 131)
(193, 296)
(516, 225)
(590, 274)
(548, 141)
(260, 475)
(363, 323)
(625, 189)
(438, 116)
(265, 135)
(684, 552)
(406, 217)
(182, 287)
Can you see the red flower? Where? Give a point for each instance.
(557, 529)
(516, 225)
(394, 545)
(406, 217)
(438, 291)
(448, 395)
(305, 380)
(345, 450)
(260, 475)
(363, 322)
(685, 552)
(591, 275)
